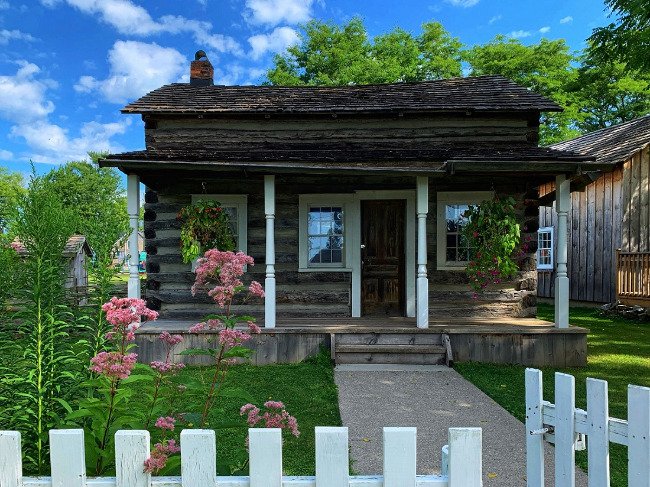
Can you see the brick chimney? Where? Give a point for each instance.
(201, 70)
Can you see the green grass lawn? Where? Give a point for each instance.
(618, 351)
(308, 391)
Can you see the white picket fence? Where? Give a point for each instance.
(567, 426)
(462, 461)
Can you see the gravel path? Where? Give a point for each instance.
(432, 398)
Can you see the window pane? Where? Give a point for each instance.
(325, 234)
(457, 247)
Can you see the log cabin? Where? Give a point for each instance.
(609, 221)
(350, 199)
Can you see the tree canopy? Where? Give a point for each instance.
(627, 39)
(329, 54)
(11, 189)
(594, 91)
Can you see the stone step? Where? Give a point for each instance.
(390, 358)
(389, 348)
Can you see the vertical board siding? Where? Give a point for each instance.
(612, 212)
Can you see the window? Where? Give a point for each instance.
(235, 206)
(453, 250)
(323, 227)
(545, 248)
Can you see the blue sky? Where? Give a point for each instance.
(68, 66)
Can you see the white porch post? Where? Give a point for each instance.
(133, 208)
(562, 205)
(422, 281)
(269, 283)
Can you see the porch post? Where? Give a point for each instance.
(562, 205)
(422, 281)
(133, 209)
(269, 283)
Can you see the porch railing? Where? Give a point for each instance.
(633, 278)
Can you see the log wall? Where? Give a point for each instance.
(611, 213)
(312, 293)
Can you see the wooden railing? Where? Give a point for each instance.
(633, 278)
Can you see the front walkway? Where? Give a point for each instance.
(432, 398)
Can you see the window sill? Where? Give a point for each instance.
(324, 269)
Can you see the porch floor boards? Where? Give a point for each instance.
(384, 324)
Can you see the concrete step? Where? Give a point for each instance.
(394, 349)
(390, 339)
(390, 358)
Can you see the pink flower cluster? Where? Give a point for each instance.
(166, 367)
(169, 339)
(127, 312)
(275, 416)
(224, 269)
(113, 365)
(166, 423)
(159, 455)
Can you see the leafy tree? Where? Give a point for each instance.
(546, 68)
(609, 93)
(329, 54)
(96, 196)
(627, 39)
(11, 188)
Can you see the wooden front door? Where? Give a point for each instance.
(382, 257)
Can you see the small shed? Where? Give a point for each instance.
(609, 220)
(76, 252)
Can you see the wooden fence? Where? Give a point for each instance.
(567, 426)
(461, 466)
(633, 278)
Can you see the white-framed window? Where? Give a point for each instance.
(236, 206)
(545, 248)
(452, 250)
(324, 232)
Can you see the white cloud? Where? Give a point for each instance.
(566, 20)
(5, 155)
(22, 97)
(135, 69)
(463, 3)
(51, 143)
(519, 34)
(273, 12)
(14, 35)
(494, 19)
(544, 30)
(131, 19)
(276, 41)
(4, 5)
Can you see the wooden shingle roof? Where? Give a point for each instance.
(482, 93)
(611, 145)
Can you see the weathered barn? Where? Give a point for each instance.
(350, 199)
(611, 213)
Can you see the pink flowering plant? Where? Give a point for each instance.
(220, 274)
(492, 232)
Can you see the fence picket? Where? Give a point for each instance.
(11, 462)
(465, 457)
(332, 460)
(400, 457)
(131, 451)
(265, 453)
(534, 425)
(198, 458)
(598, 434)
(638, 417)
(68, 458)
(564, 430)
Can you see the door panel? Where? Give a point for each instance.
(382, 257)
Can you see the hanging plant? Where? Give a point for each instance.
(493, 234)
(205, 225)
